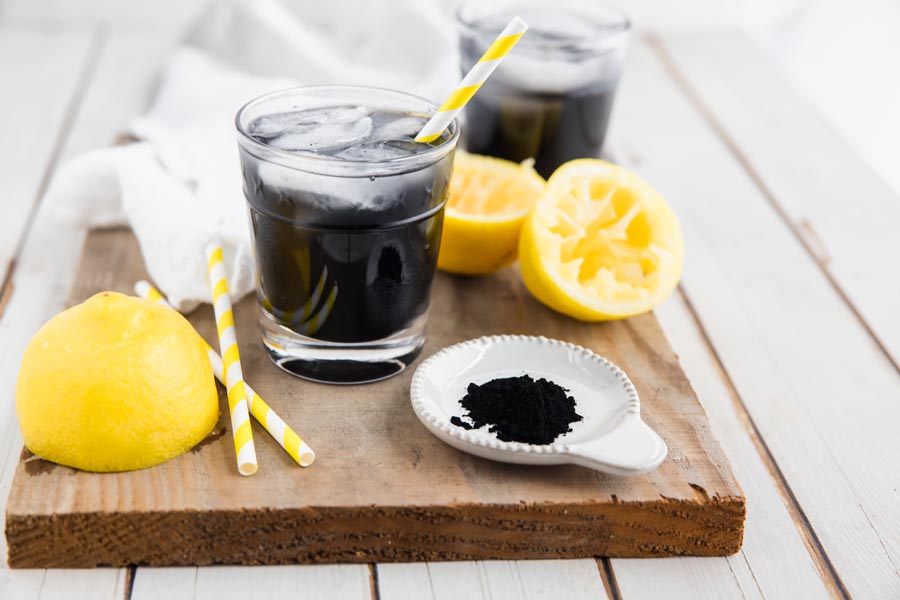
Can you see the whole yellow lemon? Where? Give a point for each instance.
(114, 384)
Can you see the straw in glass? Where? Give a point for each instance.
(473, 80)
(302, 320)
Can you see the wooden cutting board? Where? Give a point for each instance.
(383, 488)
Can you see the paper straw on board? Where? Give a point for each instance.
(231, 363)
(296, 448)
(473, 80)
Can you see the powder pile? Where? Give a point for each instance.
(519, 409)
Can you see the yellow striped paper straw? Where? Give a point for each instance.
(317, 320)
(302, 314)
(473, 80)
(296, 448)
(234, 378)
(302, 320)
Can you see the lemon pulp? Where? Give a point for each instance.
(489, 200)
(600, 243)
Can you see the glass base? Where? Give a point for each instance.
(342, 363)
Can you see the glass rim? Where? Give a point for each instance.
(584, 42)
(338, 166)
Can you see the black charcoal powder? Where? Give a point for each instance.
(519, 409)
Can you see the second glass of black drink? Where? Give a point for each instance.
(551, 98)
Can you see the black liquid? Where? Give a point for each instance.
(377, 248)
(554, 106)
(552, 128)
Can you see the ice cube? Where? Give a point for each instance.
(401, 148)
(381, 150)
(406, 128)
(342, 114)
(285, 181)
(555, 26)
(309, 191)
(364, 151)
(563, 51)
(325, 137)
(290, 142)
(272, 126)
(269, 127)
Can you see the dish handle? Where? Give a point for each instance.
(631, 447)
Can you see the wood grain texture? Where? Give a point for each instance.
(383, 489)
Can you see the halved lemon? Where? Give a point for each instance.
(489, 200)
(600, 243)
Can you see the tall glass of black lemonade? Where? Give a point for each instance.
(345, 217)
(551, 99)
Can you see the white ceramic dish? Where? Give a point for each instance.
(610, 438)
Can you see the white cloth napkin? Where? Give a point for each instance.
(179, 186)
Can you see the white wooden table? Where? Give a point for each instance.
(786, 319)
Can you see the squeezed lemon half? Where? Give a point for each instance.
(489, 200)
(600, 243)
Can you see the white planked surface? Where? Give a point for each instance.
(846, 215)
(41, 282)
(41, 68)
(126, 74)
(813, 380)
(773, 562)
(122, 68)
(492, 580)
(35, 56)
(759, 295)
(350, 582)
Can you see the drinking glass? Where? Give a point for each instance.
(551, 98)
(345, 241)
